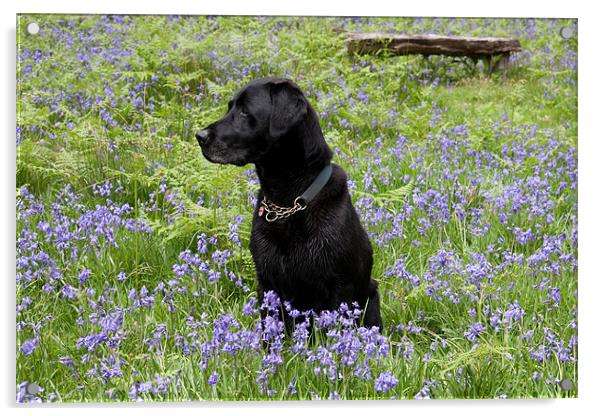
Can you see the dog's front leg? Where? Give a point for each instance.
(372, 314)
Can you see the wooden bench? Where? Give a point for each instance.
(495, 52)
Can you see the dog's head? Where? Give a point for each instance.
(259, 115)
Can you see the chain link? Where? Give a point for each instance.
(274, 212)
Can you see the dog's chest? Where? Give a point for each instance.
(293, 262)
(288, 253)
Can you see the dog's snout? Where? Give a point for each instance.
(202, 136)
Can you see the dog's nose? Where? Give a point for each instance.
(202, 136)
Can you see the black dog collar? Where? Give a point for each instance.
(274, 212)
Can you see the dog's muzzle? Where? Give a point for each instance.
(202, 136)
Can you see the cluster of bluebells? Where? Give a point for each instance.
(157, 387)
(25, 394)
(66, 231)
(473, 332)
(385, 382)
(525, 206)
(197, 266)
(345, 350)
(552, 346)
(521, 189)
(55, 239)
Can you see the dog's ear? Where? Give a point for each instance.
(288, 107)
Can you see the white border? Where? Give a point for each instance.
(589, 191)
(507, 8)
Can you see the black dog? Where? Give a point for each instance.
(307, 241)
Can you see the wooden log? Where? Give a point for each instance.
(398, 44)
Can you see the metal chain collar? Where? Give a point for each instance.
(274, 212)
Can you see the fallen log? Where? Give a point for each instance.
(494, 52)
(398, 44)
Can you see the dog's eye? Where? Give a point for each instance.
(243, 113)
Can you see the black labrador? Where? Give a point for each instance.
(307, 240)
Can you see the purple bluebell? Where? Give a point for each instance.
(384, 382)
(474, 331)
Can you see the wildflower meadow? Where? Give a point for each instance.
(134, 279)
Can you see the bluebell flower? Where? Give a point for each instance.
(473, 332)
(29, 346)
(384, 382)
(213, 379)
(425, 391)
